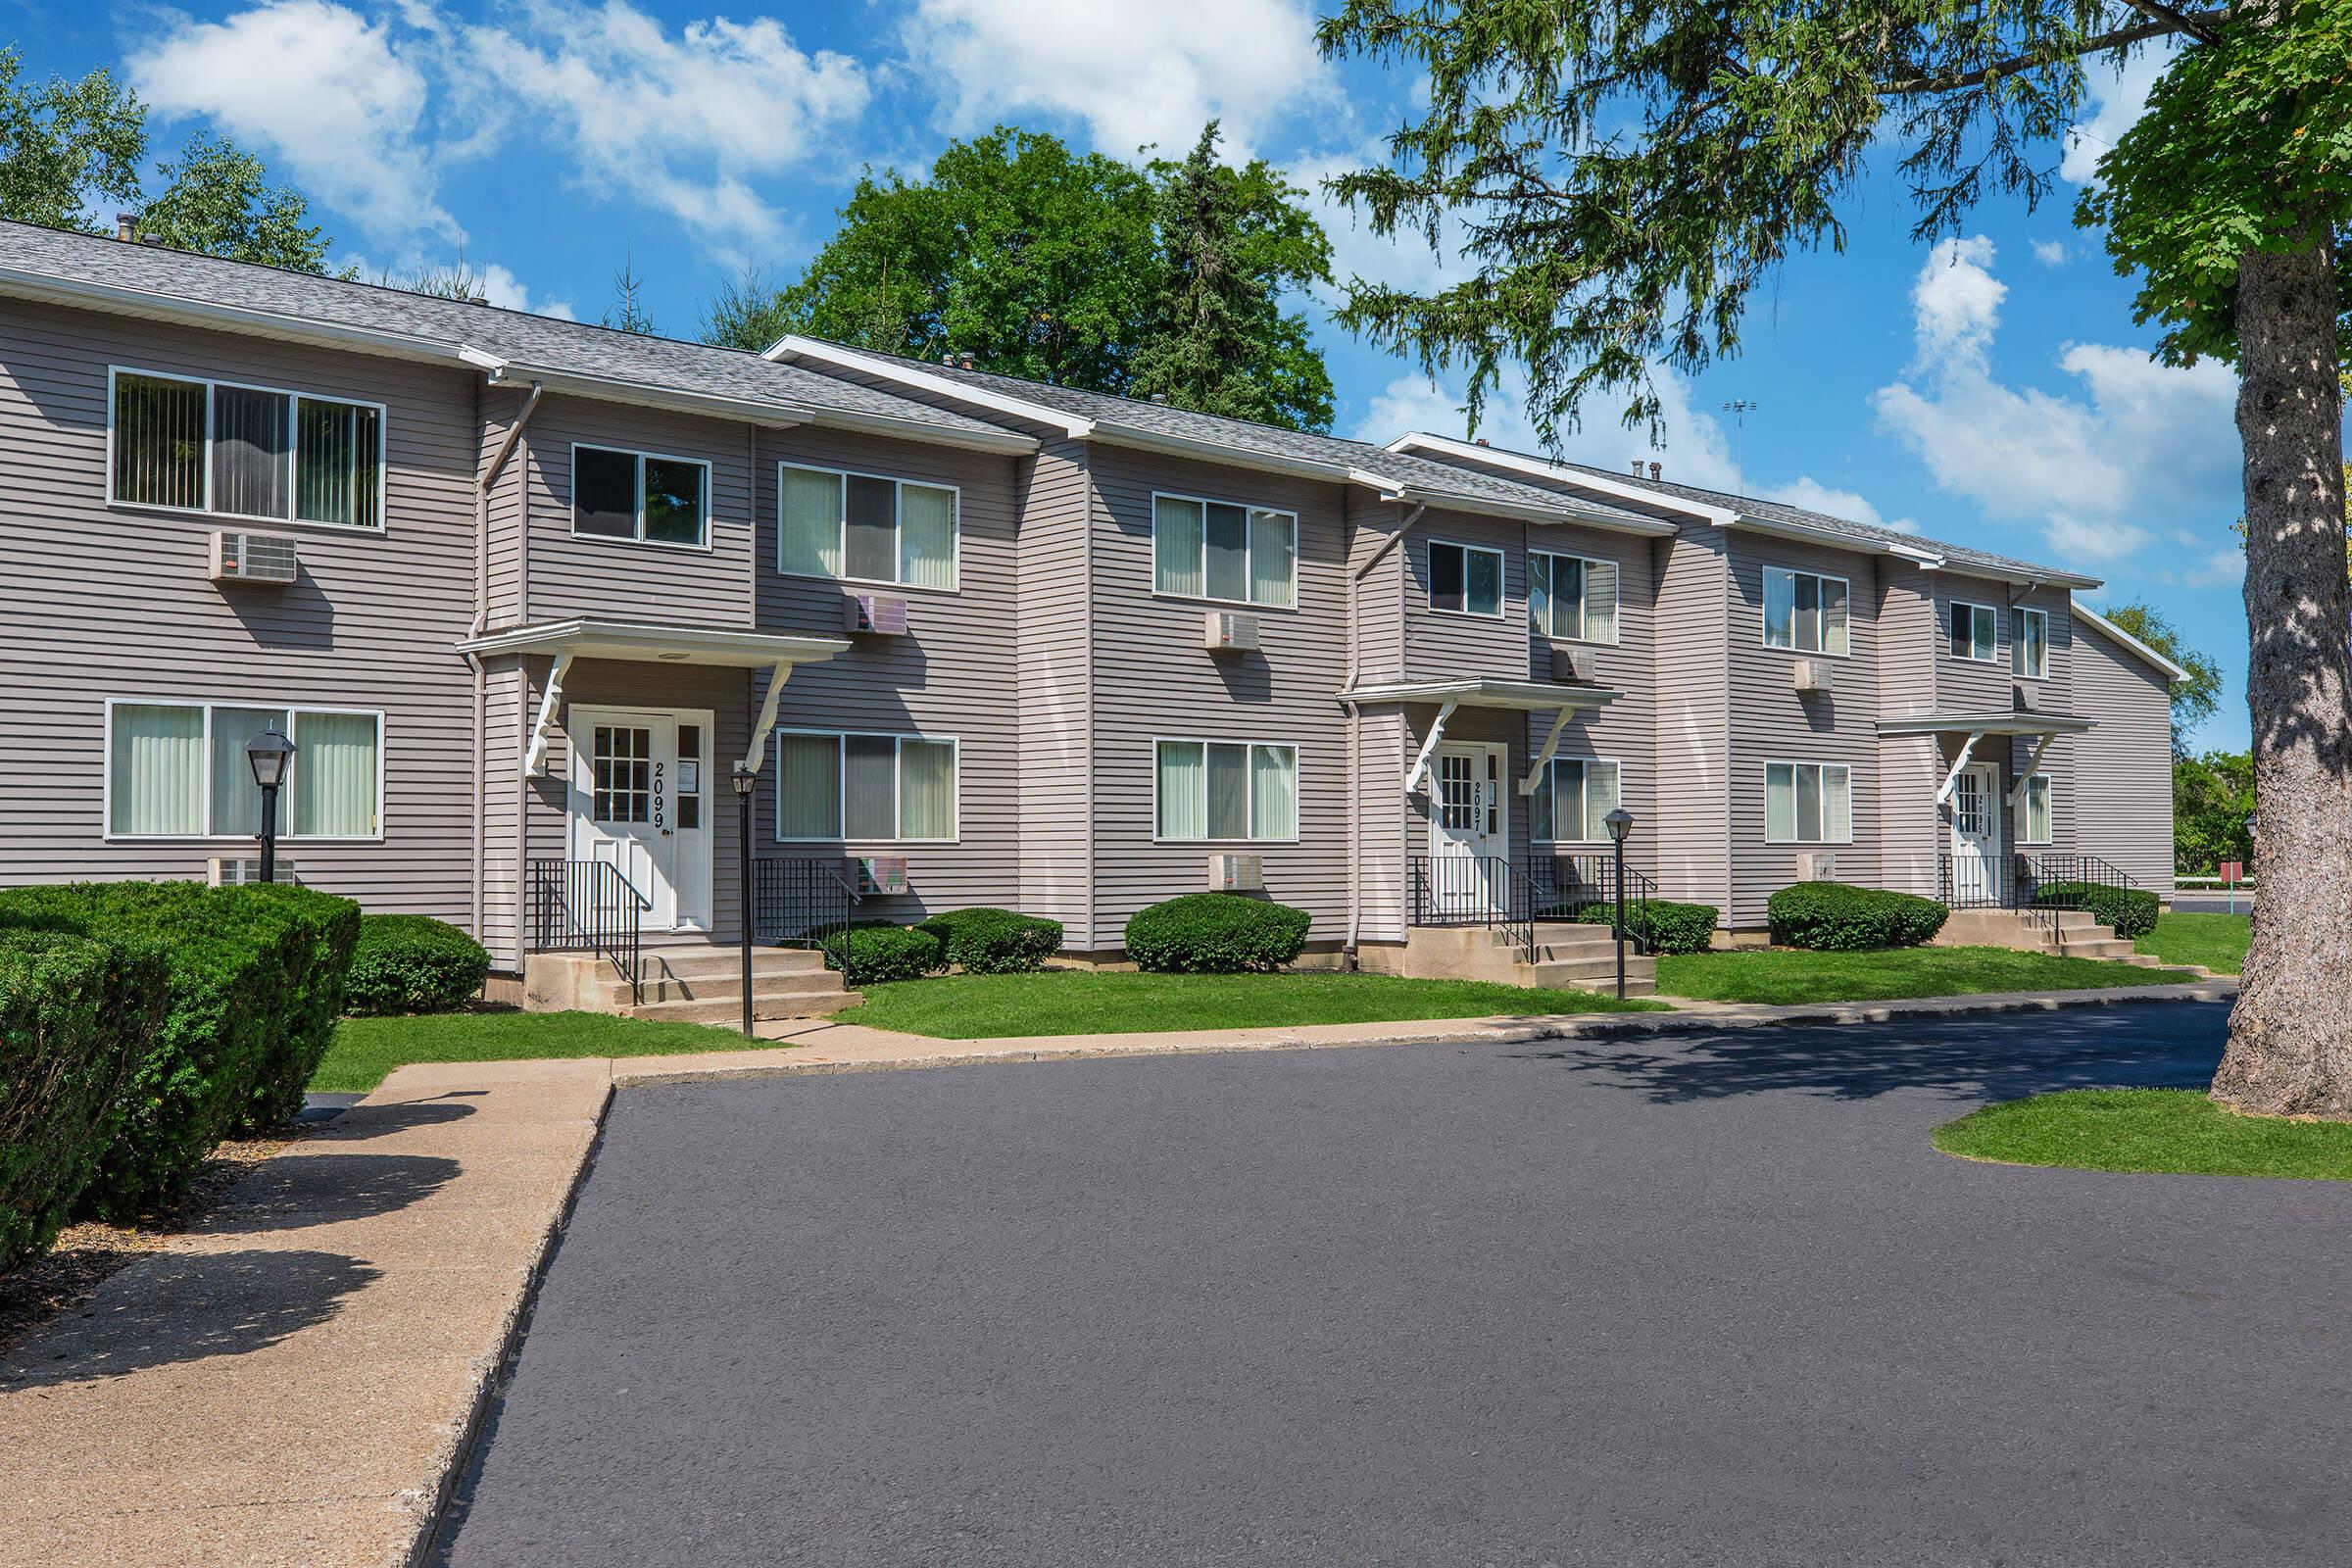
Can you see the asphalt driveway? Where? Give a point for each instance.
(1710, 1300)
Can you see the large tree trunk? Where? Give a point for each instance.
(2290, 1035)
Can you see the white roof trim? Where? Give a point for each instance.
(1548, 516)
(793, 347)
(1518, 462)
(2129, 642)
(52, 289)
(1487, 692)
(641, 394)
(637, 641)
(2004, 723)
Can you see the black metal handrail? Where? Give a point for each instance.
(1567, 883)
(590, 907)
(2042, 877)
(800, 902)
(1474, 890)
(2002, 882)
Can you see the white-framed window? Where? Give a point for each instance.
(2029, 644)
(186, 444)
(1809, 803)
(2033, 810)
(1806, 611)
(867, 527)
(1975, 632)
(1465, 579)
(837, 785)
(1221, 549)
(1217, 791)
(1573, 598)
(178, 770)
(1573, 799)
(645, 496)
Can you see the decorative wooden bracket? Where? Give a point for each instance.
(2017, 791)
(1437, 732)
(1551, 748)
(535, 764)
(757, 751)
(1951, 780)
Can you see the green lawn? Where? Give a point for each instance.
(975, 1006)
(367, 1049)
(2216, 941)
(1789, 974)
(2173, 1131)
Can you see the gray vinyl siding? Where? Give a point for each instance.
(1053, 690)
(1455, 645)
(115, 601)
(507, 714)
(2123, 799)
(1625, 729)
(1693, 755)
(1911, 767)
(503, 507)
(1384, 743)
(1964, 685)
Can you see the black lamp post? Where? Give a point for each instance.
(268, 753)
(745, 782)
(1621, 823)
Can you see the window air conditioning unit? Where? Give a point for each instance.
(879, 615)
(1573, 664)
(252, 557)
(244, 870)
(1817, 865)
(2028, 699)
(1814, 676)
(1237, 873)
(1222, 631)
(882, 873)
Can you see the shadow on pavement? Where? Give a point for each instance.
(377, 1121)
(321, 1189)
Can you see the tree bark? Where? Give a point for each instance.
(2291, 1034)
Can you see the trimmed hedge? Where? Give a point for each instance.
(255, 982)
(1835, 918)
(986, 940)
(2131, 911)
(75, 1017)
(1660, 925)
(878, 951)
(1216, 933)
(412, 963)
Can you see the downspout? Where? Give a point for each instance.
(1355, 750)
(481, 620)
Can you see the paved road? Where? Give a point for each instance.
(2213, 903)
(1712, 1301)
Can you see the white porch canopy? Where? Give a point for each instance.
(646, 642)
(2043, 727)
(1487, 692)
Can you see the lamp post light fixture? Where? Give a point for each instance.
(1620, 823)
(268, 753)
(745, 782)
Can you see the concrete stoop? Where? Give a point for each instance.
(689, 985)
(1568, 957)
(2079, 934)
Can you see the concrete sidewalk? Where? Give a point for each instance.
(294, 1382)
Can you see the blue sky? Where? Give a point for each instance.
(1992, 391)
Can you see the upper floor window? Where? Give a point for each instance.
(1809, 803)
(1572, 802)
(1571, 597)
(866, 787)
(1975, 632)
(179, 771)
(2029, 644)
(1224, 789)
(1216, 549)
(640, 495)
(2033, 810)
(862, 526)
(246, 452)
(1465, 578)
(1805, 611)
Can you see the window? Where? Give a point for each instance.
(246, 452)
(179, 771)
(1806, 611)
(2029, 644)
(1216, 549)
(1225, 790)
(1571, 801)
(1974, 632)
(1809, 803)
(1572, 598)
(866, 787)
(862, 526)
(1465, 578)
(2033, 810)
(638, 495)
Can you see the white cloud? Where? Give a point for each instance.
(1404, 260)
(2050, 252)
(503, 288)
(1135, 71)
(2138, 445)
(1814, 496)
(1415, 403)
(498, 284)
(2117, 102)
(2219, 569)
(326, 94)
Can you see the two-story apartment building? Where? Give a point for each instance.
(528, 595)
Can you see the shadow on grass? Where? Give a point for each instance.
(1997, 1057)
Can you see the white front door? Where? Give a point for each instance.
(1468, 835)
(1977, 834)
(640, 799)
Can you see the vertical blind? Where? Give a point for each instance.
(180, 770)
(159, 441)
(808, 786)
(1214, 790)
(334, 784)
(872, 787)
(155, 770)
(1176, 543)
(868, 528)
(1570, 597)
(1809, 803)
(811, 522)
(246, 451)
(237, 798)
(1573, 803)
(1214, 550)
(338, 477)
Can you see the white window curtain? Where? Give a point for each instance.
(811, 530)
(808, 786)
(1176, 546)
(1273, 546)
(1836, 805)
(1809, 803)
(1835, 636)
(237, 798)
(1780, 803)
(1180, 789)
(926, 790)
(155, 779)
(1601, 601)
(334, 775)
(1601, 799)
(926, 536)
(1273, 792)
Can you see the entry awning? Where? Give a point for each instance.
(1487, 692)
(2043, 727)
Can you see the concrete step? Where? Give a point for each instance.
(689, 963)
(795, 1004)
(2074, 947)
(720, 988)
(1589, 973)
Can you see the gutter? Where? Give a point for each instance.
(481, 620)
(1356, 745)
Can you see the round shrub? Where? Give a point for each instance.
(1660, 925)
(2131, 911)
(1216, 933)
(1835, 917)
(412, 963)
(877, 950)
(988, 941)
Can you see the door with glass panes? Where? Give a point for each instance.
(1469, 841)
(640, 799)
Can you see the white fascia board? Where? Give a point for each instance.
(647, 395)
(2129, 642)
(594, 637)
(1518, 462)
(50, 289)
(1524, 511)
(793, 348)
(1007, 441)
(1127, 435)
